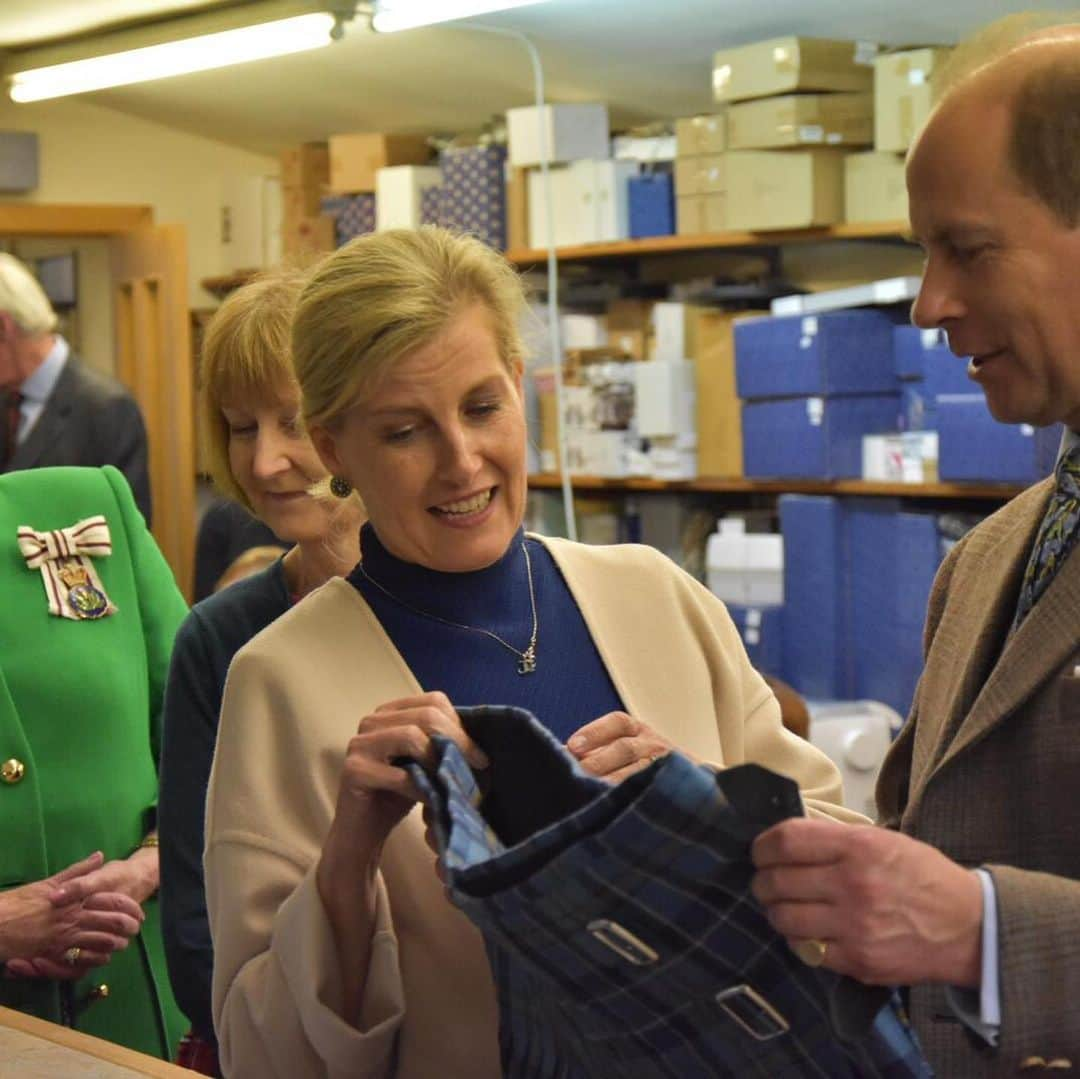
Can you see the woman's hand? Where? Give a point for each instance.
(617, 745)
(374, 794)
(40, 922)
(373, 797)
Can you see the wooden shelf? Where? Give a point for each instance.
(222, 286)
(719, 485)
(673, 245)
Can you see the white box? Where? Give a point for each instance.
(606, 454)
(670, 331)
(647, 148)
(883, 458)
(583, 331)
(564, 208)
(397, 195)
(572, 132)
(890, 290)
(665, 404)
(669, 462)
(745, 568)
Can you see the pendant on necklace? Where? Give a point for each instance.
(527, 663)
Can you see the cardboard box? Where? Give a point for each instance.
(875, 187)
(572, 132)
(786, 64)
(697, 135)
(776, 189)
(308, 236)
(700, 175)
(719, 414)
(297, 202)
(355, 159)
(689, 215)
(801, 119)
(306, 166)
(840, 352)
(716, 219)
(813, 437)
(903, 97)
(399, 195)
(517, 209)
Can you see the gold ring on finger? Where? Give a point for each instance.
(71, 956)
(811, 952)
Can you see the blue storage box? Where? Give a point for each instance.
(817, 659)
(473, 192)
(894, 557)
(918, 410)
(652, 205)
(840, 352)
(925, 355)
(973, 446)
(762, 632)
(354, 215)
(430, 205)
(813, 437)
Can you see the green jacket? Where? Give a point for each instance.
(80, 708)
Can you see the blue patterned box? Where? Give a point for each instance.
(473, 192)
(652, 205)
(430, 203)
(354, 215)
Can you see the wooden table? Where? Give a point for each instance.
(33, 1049)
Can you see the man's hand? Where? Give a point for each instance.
(890, 910)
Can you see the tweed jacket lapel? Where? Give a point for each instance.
(50, 422)
(995, 676)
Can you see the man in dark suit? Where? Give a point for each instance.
(971, 891)
(53, 409)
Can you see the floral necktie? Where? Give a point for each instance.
(1057, 534)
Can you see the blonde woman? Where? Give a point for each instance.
(259, 454)
(337, 952)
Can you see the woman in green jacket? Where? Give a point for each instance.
(89, 612)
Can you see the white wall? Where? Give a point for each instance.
(89, 154)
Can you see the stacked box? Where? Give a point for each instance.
(816, 658)
(762, 633)
(700, 183)
(355, 160)
(927, 369)
(305, 172)
(801, 119)
(875, 187)
(354, 215)
(472, 196)
(652, 205)
(974, 447)
(399, 190)
(903, 95)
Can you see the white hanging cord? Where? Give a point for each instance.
(554, 333)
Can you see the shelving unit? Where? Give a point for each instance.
(675, 245)
(718, 485)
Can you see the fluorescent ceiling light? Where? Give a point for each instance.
(192, 54)
(393, 15)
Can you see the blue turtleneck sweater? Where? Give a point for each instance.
(570, 686)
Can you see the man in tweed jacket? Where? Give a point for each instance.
(973, 897)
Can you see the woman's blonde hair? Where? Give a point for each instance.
(245, 358)
(384, 295)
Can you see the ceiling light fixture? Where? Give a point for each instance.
(391, 15)
(190, 52)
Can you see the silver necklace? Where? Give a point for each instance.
(526, 659)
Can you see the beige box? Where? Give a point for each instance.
(308, 236)
(784, 189)
(297, 202)
(786, 64)
(517, 209)
(719, 416)
(875, 188)
(696, 135)
(716, 211)
(902, 95)
(306, 166)
(689, 215)
(700, 175)
(843, 119)
(355, 159)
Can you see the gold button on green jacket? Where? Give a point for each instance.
(80, 709)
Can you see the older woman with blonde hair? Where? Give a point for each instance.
(260, 455)
(338, 953)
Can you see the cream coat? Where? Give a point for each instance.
(294, 697)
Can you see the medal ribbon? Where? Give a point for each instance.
(68, 551)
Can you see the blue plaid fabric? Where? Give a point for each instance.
(620, 926)
(472, 196)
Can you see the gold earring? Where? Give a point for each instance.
(340, 487)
